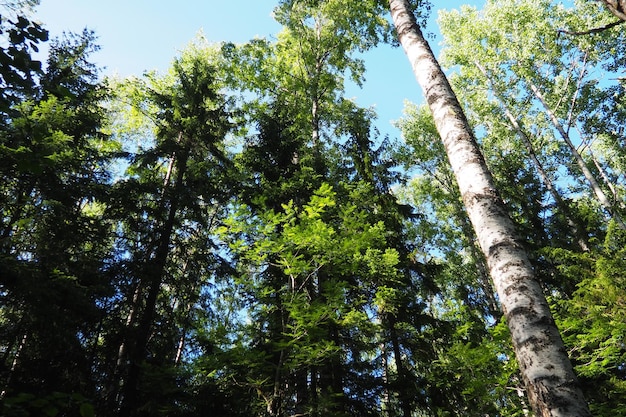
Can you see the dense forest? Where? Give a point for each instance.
(234, 237)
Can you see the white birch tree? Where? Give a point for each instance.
(552, 387)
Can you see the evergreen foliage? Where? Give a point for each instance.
(233, 237)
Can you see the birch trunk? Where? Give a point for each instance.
(591, 179)
(562, 205)
(552, 387)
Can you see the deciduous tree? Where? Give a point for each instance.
(552, 386)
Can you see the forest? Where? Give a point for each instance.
(235, 237)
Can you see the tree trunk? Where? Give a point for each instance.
(552, 387)
(114, 391)
(577, 230)
(154, 272)
(401, 378)
(595, 186)
(14, 364)
(385, 402)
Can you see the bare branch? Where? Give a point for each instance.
(591, 31)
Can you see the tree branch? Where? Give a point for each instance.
(594, 30)
(617, 7)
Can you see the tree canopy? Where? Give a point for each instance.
(235, 237)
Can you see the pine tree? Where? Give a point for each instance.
(54, 233)
(167, 208)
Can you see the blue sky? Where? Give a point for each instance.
(140, 35)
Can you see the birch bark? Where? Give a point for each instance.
(552, 387)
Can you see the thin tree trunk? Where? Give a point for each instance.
(14, 364)
(116, 383)
(180, 347)
(585, 141)
(560, 203)
(401, 374)
(386, 398)
(131, 320)
(604, 175)
(154, 273)
(552, 387)
(595, 186)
